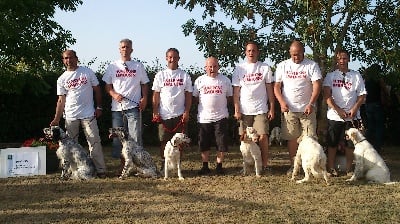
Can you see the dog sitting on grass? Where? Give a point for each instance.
(368, 162)
(74, 160)
(134, 155)
(310, 155)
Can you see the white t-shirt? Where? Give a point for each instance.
(252, 79)
(126, 80)
(77, 86)
(172, 85)
(297, 82)
(344, 94)
(212, 93)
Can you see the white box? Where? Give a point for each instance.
(24, 161)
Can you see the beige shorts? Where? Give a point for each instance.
(295, 124)
(258, 122)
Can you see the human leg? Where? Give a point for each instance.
(134, 120)
(72, 129)
(205, 131)
(221, 137)
(117, 121)
(91, 131)
(262, 127)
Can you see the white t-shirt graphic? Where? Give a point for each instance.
(172, 85)
(77, 86)
(126, 79)
(252, 79)
(212, 93)
(297, 82)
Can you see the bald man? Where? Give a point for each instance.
(297, 87)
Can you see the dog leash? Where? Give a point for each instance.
(158, 120)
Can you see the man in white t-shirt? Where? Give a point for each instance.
(345, 92)
(212, 92)
(75, 89)
(126, 82)
(297, 87)
(252, 91)
(172, 99)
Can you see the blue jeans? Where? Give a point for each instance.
(131, 120)
(375, 124)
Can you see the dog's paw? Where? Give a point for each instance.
(181, 178)
(165, 178)
(350, 179)
(300, 181)
(258, 175)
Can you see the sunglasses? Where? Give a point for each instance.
(125, 66)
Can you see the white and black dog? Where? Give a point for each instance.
(74, 159)
(275, 136)
(368, 163)
(310, 155)
(135, 156)
(172, 154)
(251, 151)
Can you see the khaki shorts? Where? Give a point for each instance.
(294, 124)
(258, 122)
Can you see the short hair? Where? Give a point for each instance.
(172, 49)
(341, 51)
(126, 40)
(72, 51)
(253, 43)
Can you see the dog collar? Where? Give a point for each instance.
(361, 141)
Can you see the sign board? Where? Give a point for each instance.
(24, 161)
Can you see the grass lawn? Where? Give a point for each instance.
(232, 198)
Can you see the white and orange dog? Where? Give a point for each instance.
(310, 155)
(368, 163)
(251, 151)
(172, 154)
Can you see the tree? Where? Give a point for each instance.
(31, 43)
(368, 29)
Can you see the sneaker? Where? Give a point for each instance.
(220, 170)
(101, 175)
(289, 171)
(332, 172)
(204, 171)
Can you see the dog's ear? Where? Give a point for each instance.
(56, 133)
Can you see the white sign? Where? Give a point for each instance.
(23, 163)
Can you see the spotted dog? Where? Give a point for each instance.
(74, 160)
(172, 154)
(275, 136)
(135, 156)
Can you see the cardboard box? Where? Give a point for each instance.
(24, 161)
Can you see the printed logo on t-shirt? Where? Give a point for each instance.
(75, 83)
(212, 89)
(173, 82)
(296, 74)
(341, 83)
(252, 78)
(125, 73)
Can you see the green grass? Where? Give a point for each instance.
(211, 199)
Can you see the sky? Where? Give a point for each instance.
(152, 25)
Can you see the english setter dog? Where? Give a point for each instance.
(172, 154)
(74, 159)
(275, 136)
(251, 151)
(368, 163)
(310, 155)
(135, 156)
